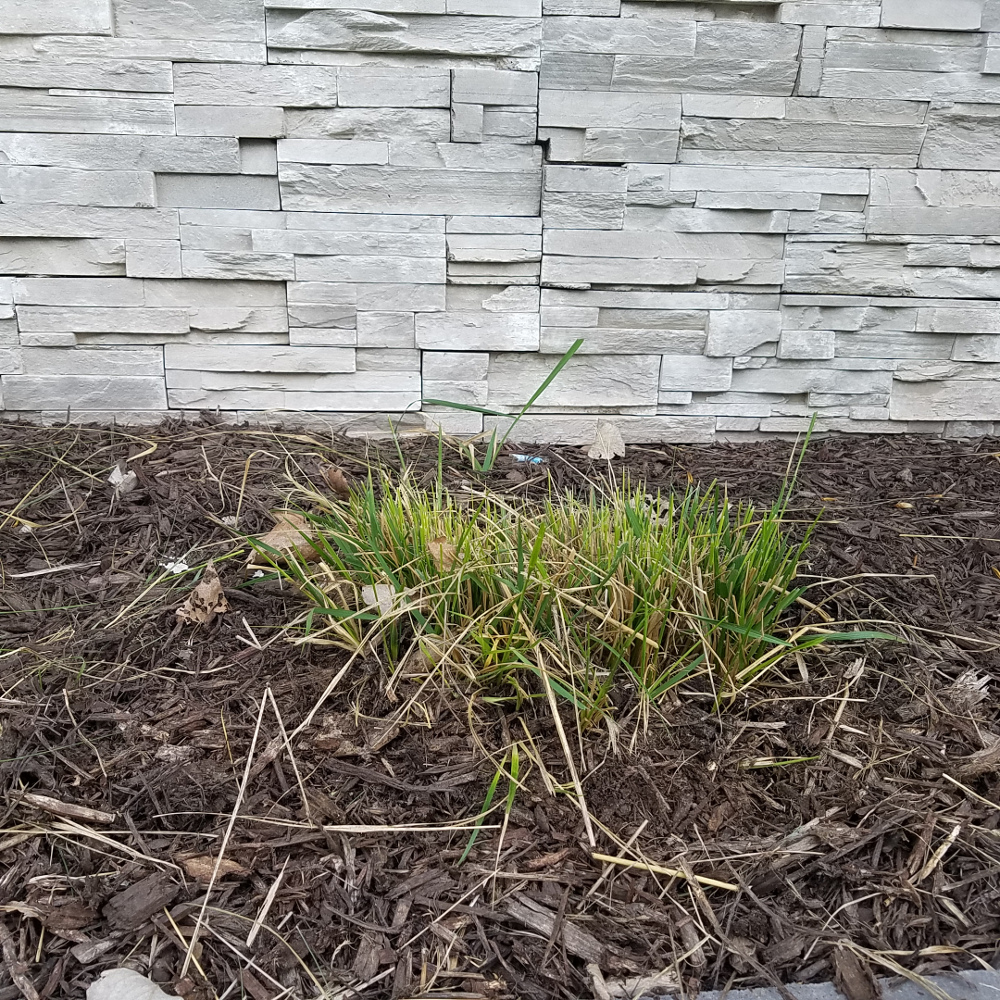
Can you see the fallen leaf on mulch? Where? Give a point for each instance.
(206, 600)
(291, 535)
(338, 482)
(852, 977)
(608, 444)
(201, 866)
(444, 554)
(381, 595)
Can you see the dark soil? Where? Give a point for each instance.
(886, 838)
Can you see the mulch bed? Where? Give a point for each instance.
(887, 837)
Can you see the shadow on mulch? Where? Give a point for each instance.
(126, 736)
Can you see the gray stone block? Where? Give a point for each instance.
(713, 74)
(732, 333)
(223, 20)
(153, 259)
(849, 12)
(583, 210)
(24, 110)
(84, 222)
(386, 329)
(87, 74)
(763, 179)
(425, 124)
(104, 361)
(682, 373)
(407, 190)
(576, 70)
(345, 31)
(497, 87)
(807, 344)
(467, 123)
(60, 186)
(255, 86)
(254, 122)
(110, 393)
(258, 359)
(478, 331)
(217, 191)
(61, 256)
(594, 109)
(51, 17)
(376, 268)
(622, 340)
(949, 399)
(963, 136)
(96, 319)
(607, 382)
(955, 15)
(386, 87)
(122, 152)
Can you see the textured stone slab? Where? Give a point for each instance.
(61, 256)
(83, 392)
(679, 246)
(782, 179)
(790, 377)
(592, 109)
(713, 74)
(618, 382)
(895, 50)
(331, 151)
(258, 359)
(862, 15)
(170, 49)
(53, 17)
(910, 85)
(255, 86)
(220, 20)
(641, 35)
(964, 137)
(619, 340)
(498, 87)
(739, 40)
(472, 331)
(24, 110)
(893, 344)
(732, 106)
(732, 333)
(246, 266)
(950, 399)
(164, 154)
(405, 190)
(374, 87)
(97, 319)
(87, 74)
(955, 15)
(360, 31)
(105, 361)
(255, 122)
(427, 125)
(378, 268)
(58, 185)
(699, 220)
(843, 110)
(78, 292)
(797, 136)
(576, 70)
(197, 191)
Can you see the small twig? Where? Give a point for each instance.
(16, 969)
(68, 810)
(266, 907)
(225, 840)
(660, 870)
(69, 567)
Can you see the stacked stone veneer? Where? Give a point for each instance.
(750, 211)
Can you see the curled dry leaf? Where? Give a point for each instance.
(206, 600)
(444, 554)
(338, 482)
(200, 867)
(292, 534)
(608, 444)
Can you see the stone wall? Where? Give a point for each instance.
(751, 212)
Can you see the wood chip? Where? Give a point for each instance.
(577, 941)
(133, 907)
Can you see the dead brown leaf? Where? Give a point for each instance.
(338, 482)
(206, 600)
(852, 977)
(200, 867)
(444, 554)
(291, 535)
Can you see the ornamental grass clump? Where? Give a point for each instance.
(602, 600)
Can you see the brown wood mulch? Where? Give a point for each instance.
(128, 739)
